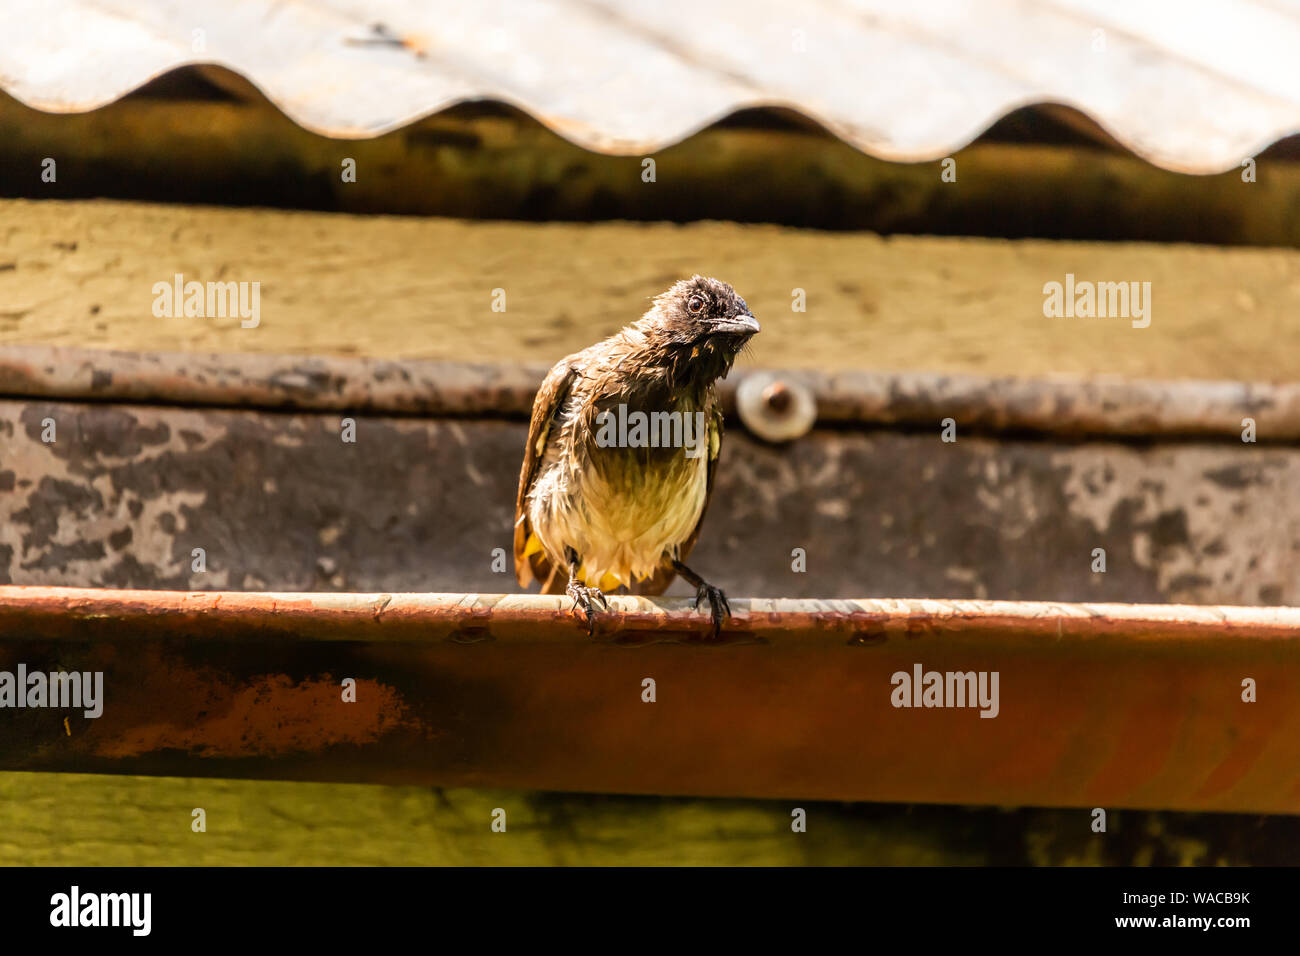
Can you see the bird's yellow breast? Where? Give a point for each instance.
(624, 511)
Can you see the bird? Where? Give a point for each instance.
(622, 453)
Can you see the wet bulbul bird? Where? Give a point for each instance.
(601, 507)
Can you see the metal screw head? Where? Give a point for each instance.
(778, 397)
(775, 407)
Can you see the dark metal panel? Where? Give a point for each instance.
(125, 493)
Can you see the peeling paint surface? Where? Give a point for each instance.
(125, 494)
(270, 716)
(1211, 529)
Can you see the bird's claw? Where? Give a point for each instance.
(719, 608)
(587, 599)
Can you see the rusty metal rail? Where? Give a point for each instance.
(1096, 705)
(1108, 407)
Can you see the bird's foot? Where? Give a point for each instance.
(587, 600)
(719, 608)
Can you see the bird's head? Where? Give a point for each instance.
(702, 324)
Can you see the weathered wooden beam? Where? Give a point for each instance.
(82, 274)
(1092, 705)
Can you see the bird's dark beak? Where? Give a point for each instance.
(740, 324)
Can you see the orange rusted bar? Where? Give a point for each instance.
(1162, 706)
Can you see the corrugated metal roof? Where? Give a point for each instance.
(1190, 86)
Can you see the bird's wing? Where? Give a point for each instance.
(531, 562)
(658, 582)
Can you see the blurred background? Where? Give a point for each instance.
(889, 185)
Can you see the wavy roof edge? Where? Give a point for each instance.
(1199, 93)
(596, 140)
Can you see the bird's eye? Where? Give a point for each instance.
(696, 305)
